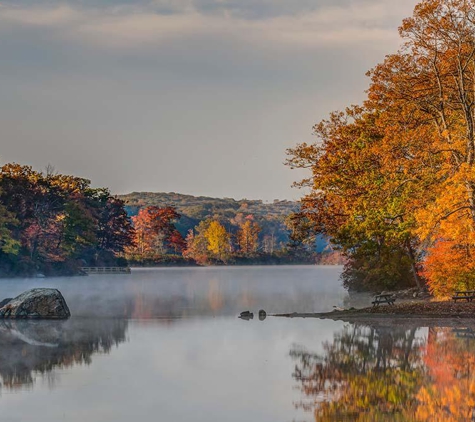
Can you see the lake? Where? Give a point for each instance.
(166, 345)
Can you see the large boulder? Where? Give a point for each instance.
(37, 303)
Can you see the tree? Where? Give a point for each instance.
(399, 172)
(218, 241)
(363, 206)
(114, 231)
(430, 82)
(56, 222)
(177, 243)
(197, 244)
(248, 237)
(155, 232)
(8, 244)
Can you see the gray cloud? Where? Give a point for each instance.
(191, 96)
(245, 9)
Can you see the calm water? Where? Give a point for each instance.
(167, 345)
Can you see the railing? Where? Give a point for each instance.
(106, 270)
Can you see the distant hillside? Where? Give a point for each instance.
(269, 215)
(201, 207)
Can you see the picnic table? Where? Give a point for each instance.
(383, 298)
(467, 295)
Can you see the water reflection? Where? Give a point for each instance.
(29, 347)
(387, 372)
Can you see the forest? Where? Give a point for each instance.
(393, 179)
(54, 224)
(220, 231)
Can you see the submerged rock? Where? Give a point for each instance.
(36, 303)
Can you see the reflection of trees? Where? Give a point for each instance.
(40, 346)
(388, 373)
(450, 360)
(364, 374)
(215, 295)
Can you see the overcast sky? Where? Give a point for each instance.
(190, 96)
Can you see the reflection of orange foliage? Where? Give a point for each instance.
(449, 266)
(142, 308)
(450, 396)
(215, 295)
(246, 299)
(376, 375)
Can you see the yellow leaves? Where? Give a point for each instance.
(218, 240)
(248, 237)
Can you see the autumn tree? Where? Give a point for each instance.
(353, 200)
(399, 172)
(208, 243)
(218, 241)
(156, 233)
(57, 222)
(248, 237)
(197, 244)
(430, 82)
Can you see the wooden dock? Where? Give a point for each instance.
(106, 270)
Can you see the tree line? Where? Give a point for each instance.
(213, 241)
(54, 224)
(393, 180)
(270, 216)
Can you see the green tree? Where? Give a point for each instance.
(8, 244)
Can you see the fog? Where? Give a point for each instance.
(192, 292)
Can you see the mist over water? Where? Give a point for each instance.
(189, 292)
(166, 344)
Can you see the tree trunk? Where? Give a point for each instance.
(412, 256)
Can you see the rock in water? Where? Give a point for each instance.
(38, 304)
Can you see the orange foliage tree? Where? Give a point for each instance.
(156, 233)
(399, 172)
(248, 237)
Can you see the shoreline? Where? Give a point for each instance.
(141, 267)
(405, 310)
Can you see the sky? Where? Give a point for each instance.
(192, 96)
